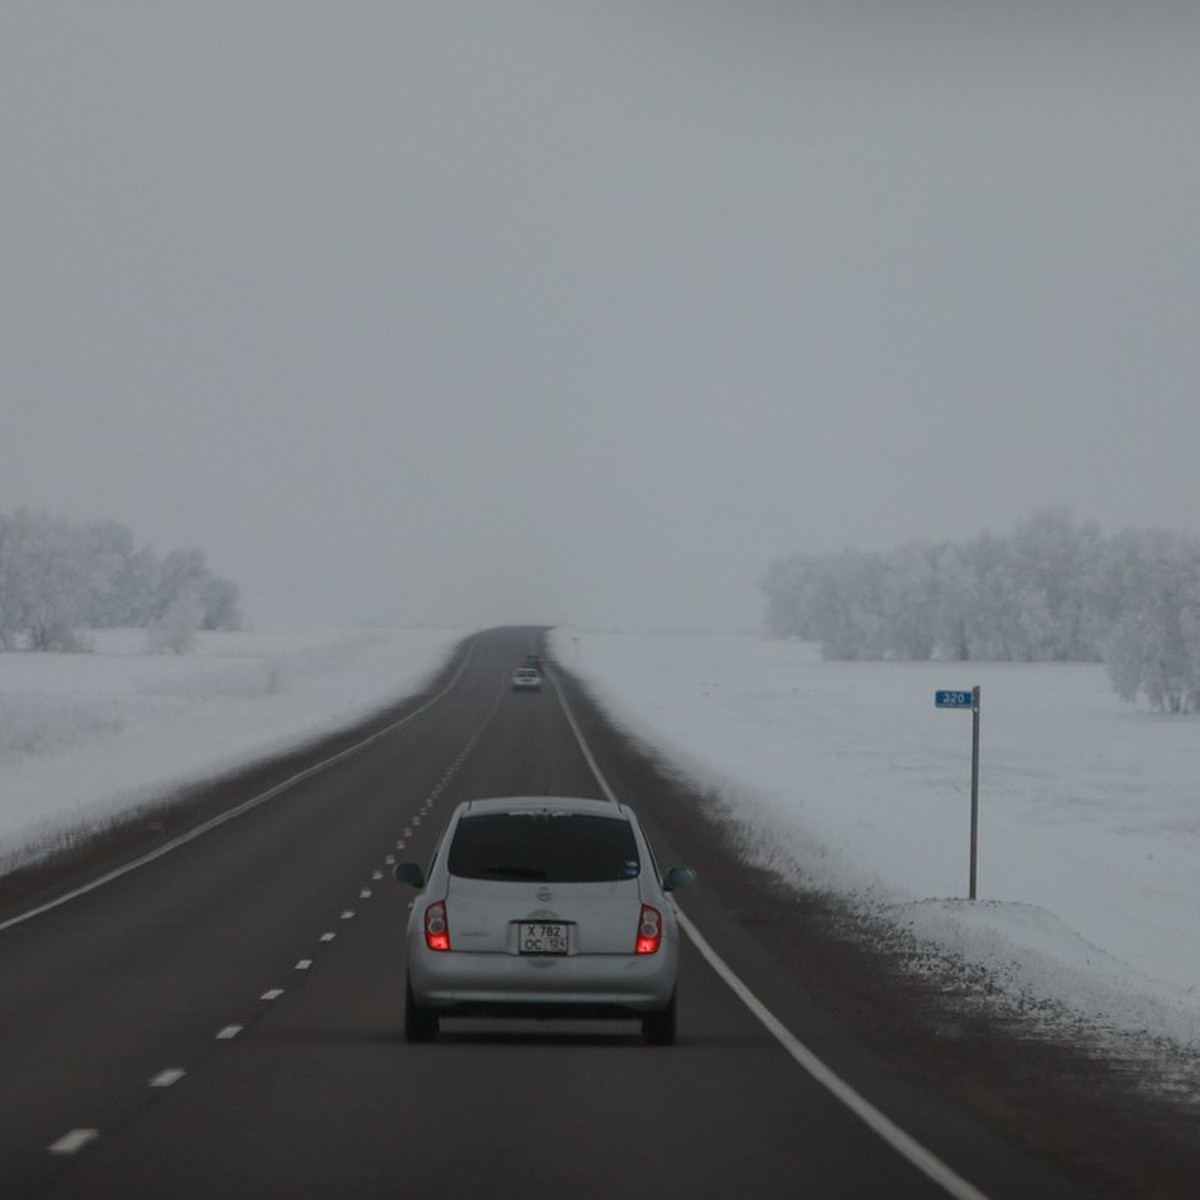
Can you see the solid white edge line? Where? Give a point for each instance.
(587, 750)
(244, 807)
(904, 1144)
(924, 1160)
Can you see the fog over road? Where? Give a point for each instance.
(225, 1019)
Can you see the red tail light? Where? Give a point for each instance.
(649, 931)
(437, 931)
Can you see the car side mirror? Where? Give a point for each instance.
(678, 877)
(410, 872)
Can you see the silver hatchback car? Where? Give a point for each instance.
(546, 907)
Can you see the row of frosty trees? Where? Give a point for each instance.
(1054, 590)
(58, 577)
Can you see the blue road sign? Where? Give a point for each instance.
(971, 700)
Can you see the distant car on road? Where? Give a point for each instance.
(546, 907)
(526, 679)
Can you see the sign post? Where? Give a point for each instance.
(974, 701)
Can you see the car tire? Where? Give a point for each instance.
(659, 1027)
(420, 1023)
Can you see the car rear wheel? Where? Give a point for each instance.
(420, 1023)
(659, 1027)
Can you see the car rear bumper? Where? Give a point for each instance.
(577, 985)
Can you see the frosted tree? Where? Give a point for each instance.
(9, 624)
(137, 588)
(107, 547)
(181, 571)
(1153, 649)
(219, 602)
(43, 579)
(57, 577)
(991, 626)
(1056, 562)
(186, 572)
(1053, 591)
(175, 631)
(843, 608)
(783, 584)
(908, 601)
(954, 601)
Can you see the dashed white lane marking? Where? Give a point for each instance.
(273, 994)
(348, 914)
(365, 894)
(390, 860)
(230, 1031)
(73, 1142)
(376, 875)
(400, 845)
(304, 964)
(327, 937)
(407, 833)
(168, 1078)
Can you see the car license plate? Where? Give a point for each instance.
(542, 937)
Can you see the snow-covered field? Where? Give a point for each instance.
(85, 736)
(842, 775)
(846, 776)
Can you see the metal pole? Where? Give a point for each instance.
(976, 704)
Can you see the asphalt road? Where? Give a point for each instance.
(225, 1020)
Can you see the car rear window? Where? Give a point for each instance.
(544, 847)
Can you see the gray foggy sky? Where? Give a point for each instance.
(582, 312)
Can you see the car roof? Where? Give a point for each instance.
(547, 804)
